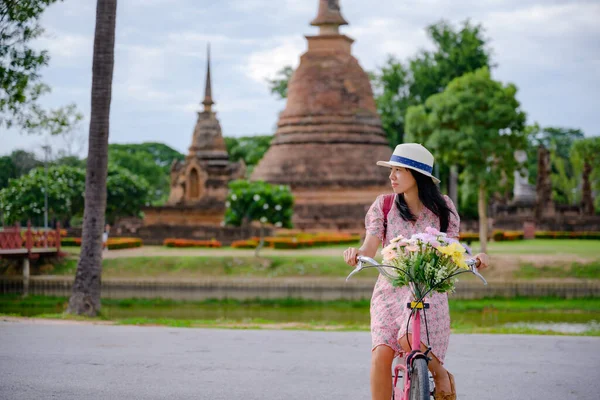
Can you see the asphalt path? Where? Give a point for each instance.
(57, 360)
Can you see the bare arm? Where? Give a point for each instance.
(368, 248)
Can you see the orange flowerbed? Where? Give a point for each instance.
(298, 240)
(171, 242)
(112, 243)
(245, 244)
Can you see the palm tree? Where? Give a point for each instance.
(585, 154)
(85, 296)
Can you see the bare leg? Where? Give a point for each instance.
(440, 374)
(381, 373)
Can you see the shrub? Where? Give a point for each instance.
(172, 242)
(112, 243)
(567, 235)
(245, 244)
(123, 243)
(469, 237)
(503, 236)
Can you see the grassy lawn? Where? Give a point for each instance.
(468, 316)
(582, 248)
(576, 270)
(206, 266)
(540, 258)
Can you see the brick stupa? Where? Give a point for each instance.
(329, 136)
(199, 183)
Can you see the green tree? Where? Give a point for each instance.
(477, 123)
(23, 199)
(152, 161)
(586, 156)
(558, 140)
(126, 193)
(279, 85)
(399, 86)
(251, 149)
(161, 154)
(18, 163)
(259, 201)
(85, 296)
(20, 65)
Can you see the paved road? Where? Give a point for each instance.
(81, 361)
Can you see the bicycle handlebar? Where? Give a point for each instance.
(371, 263)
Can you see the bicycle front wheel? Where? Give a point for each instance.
(419, 380)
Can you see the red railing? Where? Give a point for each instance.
(12, 238)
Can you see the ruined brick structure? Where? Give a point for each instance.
(329, 136)
(199, 183)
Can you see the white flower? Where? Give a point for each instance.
(266, 206)
(278, 224)
(256, 197)
(278, 207)
(263, 219)
(227, 204)
(233, 197)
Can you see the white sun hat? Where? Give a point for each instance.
(413, 156)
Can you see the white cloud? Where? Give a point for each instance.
(282, 51)
(66, 49)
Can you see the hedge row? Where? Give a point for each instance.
(567, 235)
(172, 242)
(502, 236)
(297, 241)
(112, 243)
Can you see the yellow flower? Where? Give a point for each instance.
(456, 252)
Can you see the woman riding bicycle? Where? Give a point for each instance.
(417, 204)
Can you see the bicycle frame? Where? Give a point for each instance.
(416, 306)
(416, 353)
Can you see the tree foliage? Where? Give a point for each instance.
(251, 149)
(20, 65)
(151, 161)
(24, 197)
(18, 163)
(279, 85)
(401, 85)
(586, 159)
(475, 123)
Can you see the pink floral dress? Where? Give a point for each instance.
(389, 314)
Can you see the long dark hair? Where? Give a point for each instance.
(430, 196)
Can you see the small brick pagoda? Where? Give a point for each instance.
(329, 136)
(199, 183)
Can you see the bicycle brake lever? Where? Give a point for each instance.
(359, 267)
(472, 263)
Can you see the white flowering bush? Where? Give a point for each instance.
(259, 201)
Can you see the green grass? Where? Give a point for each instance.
(272, 266)
(468, 316)
(576, 270)
(583, 248)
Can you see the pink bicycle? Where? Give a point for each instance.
(414, 370)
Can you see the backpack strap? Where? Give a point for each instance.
(388, 200)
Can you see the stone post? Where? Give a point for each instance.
(25, 276)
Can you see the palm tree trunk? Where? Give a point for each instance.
(587, 198)
(483, 221)
(85, 296)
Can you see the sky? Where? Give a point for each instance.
(549, 48)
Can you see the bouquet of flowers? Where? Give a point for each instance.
(426, 261)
